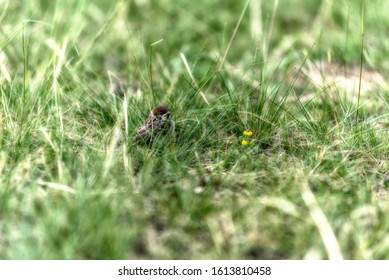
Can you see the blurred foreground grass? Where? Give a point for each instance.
(310, 182)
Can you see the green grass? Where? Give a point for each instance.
(311, 183)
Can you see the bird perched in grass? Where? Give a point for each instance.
(159, 122)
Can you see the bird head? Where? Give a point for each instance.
(161, 112)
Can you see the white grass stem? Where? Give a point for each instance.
(191, 76)
(322, 224)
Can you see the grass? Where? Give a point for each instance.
(312, 181)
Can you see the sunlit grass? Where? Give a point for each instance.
(268, 159)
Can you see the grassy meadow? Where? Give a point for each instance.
(307, 78)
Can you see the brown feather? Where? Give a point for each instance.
(158, 122)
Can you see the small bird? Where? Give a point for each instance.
(159, 122)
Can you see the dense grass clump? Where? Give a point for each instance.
(281, 142)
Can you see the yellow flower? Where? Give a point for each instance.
(247, 133)
(245, 142)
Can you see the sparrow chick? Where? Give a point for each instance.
(159, 122)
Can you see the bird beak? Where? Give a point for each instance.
(165, 117)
